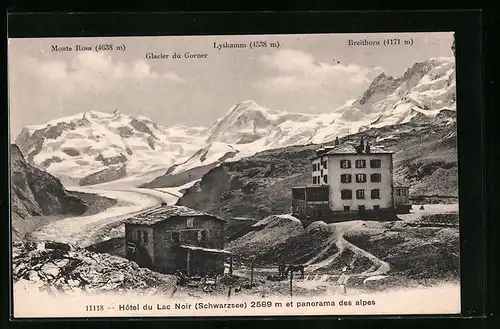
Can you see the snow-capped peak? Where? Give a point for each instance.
(94, 115)
(242, 108)
(247, 121)
(92, 142)
(238, 116)
(245, 105)
(426, 88)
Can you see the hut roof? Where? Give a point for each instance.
(151, 217)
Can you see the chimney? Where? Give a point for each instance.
(361, 147)
(337, 140)
(367, 149)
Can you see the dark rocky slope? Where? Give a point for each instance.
(36, 194)
(109, 174)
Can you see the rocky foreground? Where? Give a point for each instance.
(59, 267)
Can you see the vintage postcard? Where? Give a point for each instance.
(242, 175)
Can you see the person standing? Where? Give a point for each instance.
(343, 280)
(281, 270)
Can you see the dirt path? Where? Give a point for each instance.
(379, 267)
(339, 229)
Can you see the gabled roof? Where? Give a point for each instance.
(348, 149)
(151, 217)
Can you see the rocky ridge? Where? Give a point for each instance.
(35, 192)
(38, 197)
(59, 267)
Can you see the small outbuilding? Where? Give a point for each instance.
(177, 238)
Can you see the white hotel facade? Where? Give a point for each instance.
(350, 180)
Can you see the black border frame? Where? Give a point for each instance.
(467, 25)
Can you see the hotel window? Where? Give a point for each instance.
(325, 164)
(314, 180)
(398, 192)
(145, 238)
(377, 207)
(360, 178)
(347, 208)
(346, 194)
(345, 164)
(189, 222)
(375, 178)
(325, 179)
(403, 192)
(375, 163)
(345, 178)
(139, 235)
(361, 208)
(314, 167)
(360, 194)
(375, 194)
(360, 163)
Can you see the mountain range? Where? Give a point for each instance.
(95, 147)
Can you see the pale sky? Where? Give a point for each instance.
(307, 73)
